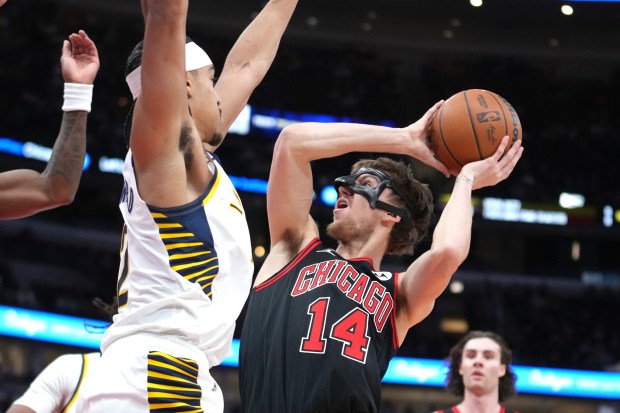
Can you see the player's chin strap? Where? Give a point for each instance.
(372, 193)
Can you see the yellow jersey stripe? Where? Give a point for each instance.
(176, 360)
(192, 264)
(190, 255)
(213, 189)
(157, 406)
(166, 226)
(207, 285)
(77, 388)
(169, 367)
(190, 277)
(172, 395)
(183, 245)
(179, 235)
(208, 277)
(165, 387)
(168, 377)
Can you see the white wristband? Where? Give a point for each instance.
(77, 97)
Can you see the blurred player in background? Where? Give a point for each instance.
(56, 388)
(480, 372)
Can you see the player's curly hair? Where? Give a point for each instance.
(454, 380)
(404, 238)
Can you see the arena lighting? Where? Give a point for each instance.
(572, 209)
(241, 125)
(572, 201)
(329, 195)
(512, 210)
(87, 333)
(51, 328)
(608, 219)
(30, 150)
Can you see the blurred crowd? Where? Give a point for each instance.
(571, 137)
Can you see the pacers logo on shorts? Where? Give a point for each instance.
(173, 384)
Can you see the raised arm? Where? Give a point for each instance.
(251, 56)
(26, 192)
(427, 277)
(161, 109)
(289, 194)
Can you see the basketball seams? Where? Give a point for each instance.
(471, 122)
(501, 107)
(445, 144)
(453, 141)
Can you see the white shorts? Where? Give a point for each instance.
(147, 372)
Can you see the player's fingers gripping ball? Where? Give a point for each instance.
(470, 126)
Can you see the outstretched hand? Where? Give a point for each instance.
(420, 146)
(496, 168)
(80, 59)
(2, 2)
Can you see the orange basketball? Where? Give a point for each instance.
(469, 127)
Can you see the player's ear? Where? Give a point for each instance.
(392, 217)
(189, 82)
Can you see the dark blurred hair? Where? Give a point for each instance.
(403, 238)
(454, 380)
(108, 309)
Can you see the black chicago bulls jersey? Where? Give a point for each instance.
(318, 336)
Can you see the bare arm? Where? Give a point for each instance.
(427, 277)
(26, 192)
(289, 194)
(18, 408)
(162, 108)
(251, 56)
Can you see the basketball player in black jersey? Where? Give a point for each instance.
(480, 372)
(25, 192)
(322, 324)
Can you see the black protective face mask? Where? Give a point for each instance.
(372, 193)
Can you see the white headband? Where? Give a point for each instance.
(195, 58)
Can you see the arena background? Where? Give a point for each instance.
(545, 276)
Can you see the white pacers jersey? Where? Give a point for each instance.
(56, 388)
(185, 271)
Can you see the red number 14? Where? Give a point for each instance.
(351, 330)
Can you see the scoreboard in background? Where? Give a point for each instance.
(529, 212)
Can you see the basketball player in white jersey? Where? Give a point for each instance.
(186, 261)
(56, 388)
